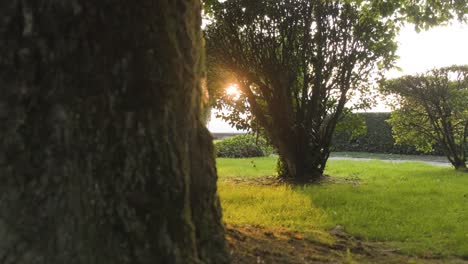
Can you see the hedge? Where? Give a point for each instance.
(242, 146)
(378, 138)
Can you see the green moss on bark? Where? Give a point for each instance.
(101, 135)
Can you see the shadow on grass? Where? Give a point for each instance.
(414, 207)
(417, 208)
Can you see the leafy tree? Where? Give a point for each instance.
(432, 108)
(296, 64)
(423, 14)
(104, 157)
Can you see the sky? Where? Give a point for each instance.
(438, 47)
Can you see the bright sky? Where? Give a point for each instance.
(418, 52)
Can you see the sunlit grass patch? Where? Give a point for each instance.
(415, 207)
(273, 206)
(246, 167)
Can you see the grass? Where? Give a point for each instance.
(248, 167)
(273, 206)
(418, 208)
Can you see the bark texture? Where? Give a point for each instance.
(301, 161)
(103, 155)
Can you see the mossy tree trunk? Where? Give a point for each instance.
(302, 161)
(103, 155)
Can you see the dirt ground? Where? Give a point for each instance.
(260, 245)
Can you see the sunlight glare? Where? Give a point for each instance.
(233, 90)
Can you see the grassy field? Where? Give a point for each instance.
(413, 207)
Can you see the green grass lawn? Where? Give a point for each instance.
(418, 208)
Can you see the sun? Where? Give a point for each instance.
(233, 90)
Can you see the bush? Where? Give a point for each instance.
(242, 146)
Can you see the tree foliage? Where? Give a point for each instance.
(432, 108)
(297, 63)
(351, 124)
(422, 13)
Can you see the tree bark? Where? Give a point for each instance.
(460, 165)
(104, 157)
(304, 162)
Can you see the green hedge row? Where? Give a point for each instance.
(242, 146)
(378, 138)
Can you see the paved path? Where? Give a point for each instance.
(436, 163)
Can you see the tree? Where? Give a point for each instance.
(104, 157)
(297, 63)
(432, 108)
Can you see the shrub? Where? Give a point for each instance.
(242, 146)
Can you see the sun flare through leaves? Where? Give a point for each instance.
(232, 90)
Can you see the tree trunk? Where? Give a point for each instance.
(303, 163)
(104, 157)
(460, 165)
